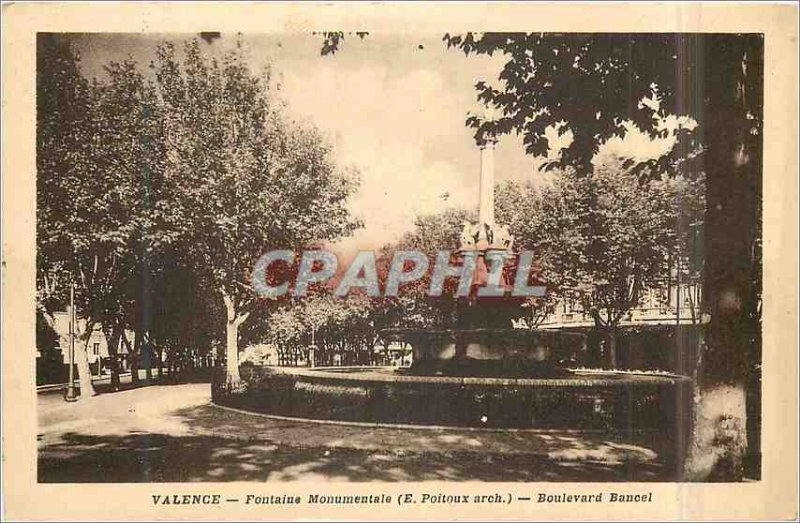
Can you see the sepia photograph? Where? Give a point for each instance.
(390, 256)
(625, 165)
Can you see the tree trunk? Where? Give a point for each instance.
(719, 438)
(232, 378)
(594, 353)
(234, 320)
(611, 347)
(731, 286)
(112, 340)
(608, 334)
(133, 355)
(81, 355)
(82, 362)
(148, 361)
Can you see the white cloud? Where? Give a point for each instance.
(639, 145)
(382, 125)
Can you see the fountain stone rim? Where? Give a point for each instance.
(584, 378)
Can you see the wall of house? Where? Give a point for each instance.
(671, 305)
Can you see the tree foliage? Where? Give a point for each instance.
(432, 233)
(591, 85)
(95, 142)
(245, 179)
(161, 187)
(348, 327)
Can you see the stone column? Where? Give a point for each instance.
(486, 206)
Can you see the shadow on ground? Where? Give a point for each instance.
(644, 447)
(161, 434)
(138, 457)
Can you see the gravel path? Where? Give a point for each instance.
(173, 433)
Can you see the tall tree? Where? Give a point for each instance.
(98, 149)
(592, 85)
(520, 206)
(344, 326)
(609, 237)
(63, 140)
(245, 179)
(129, 156)
(81, 196)
(432, 233)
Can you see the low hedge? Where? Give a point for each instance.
(613, 405)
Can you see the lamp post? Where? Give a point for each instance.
(71, 395)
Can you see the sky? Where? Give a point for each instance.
(392, 106)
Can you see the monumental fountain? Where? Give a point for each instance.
(482, 372)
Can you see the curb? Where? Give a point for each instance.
(61, 386)
(50, 388)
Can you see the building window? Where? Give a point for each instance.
(96, 349)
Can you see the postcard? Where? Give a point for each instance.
(389, 261)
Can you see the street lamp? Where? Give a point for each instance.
(71, 395)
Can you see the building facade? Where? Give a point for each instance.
(96, 350)
(670, 305)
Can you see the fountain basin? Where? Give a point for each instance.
(490, 352)
(606, 400)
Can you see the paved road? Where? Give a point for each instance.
(172, 433)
